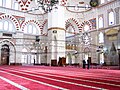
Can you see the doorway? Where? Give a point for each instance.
(5, 54)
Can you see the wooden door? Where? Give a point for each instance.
(5, 55)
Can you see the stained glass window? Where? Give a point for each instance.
(100, 23)
(111, 18)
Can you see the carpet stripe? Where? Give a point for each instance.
(71, 75)
(87, 86)
(117, 82)
(36, 81)
(14, 84)
(75, 78)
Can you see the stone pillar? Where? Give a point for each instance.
(56, 34)
(19, 47)
(117, 15)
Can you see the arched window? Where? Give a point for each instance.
(1, 2)
(100, 22)
(101, 37)
(86, 27)
(5, 25)
(8, 4)
(34, 30)
(24, 56)
(70, 31)
(16, 6)
(111, 18)
(10, 27)
(102, 1)
(31, 29)
(1, 25)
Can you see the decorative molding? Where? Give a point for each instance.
(112, 32)
(42, 26)
(87, 50)
(24, 4)
(63, 2)
(20, 19)
(1, 13)
(93, 22)
(85, 22)
(109, 27)
(78, 11)
(13, 19)
(56, 28)
(112, 38)
(71, 24)
(30, 21)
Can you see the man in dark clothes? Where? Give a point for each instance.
(34, 61)
(84, 63)
(88, 64)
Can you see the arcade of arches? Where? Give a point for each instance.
(71, 36)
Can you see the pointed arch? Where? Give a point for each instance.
(111, 17)
(24, 4)
(44, 24)
(85, 23)
(4, 41)
(73, 23)
(32, 22)
(13, 19)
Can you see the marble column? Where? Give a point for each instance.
(56, 34)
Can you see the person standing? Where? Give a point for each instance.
(34, 61)
(88, 64)
(84, 64)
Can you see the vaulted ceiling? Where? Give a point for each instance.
(31, 5)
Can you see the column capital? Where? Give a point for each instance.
(56, 28)
(117, 9)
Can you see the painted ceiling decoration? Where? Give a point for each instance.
(63, 2)
(20, 19)
(24, 1)
(93, 23)
(1, 13)
(76, 6)
(24, 4)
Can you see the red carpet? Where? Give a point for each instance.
(6, 86)
(54, 78)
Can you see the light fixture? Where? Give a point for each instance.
(94, 3)
(78, 7)
(47, 5)
(81, 6)
(86, 38)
